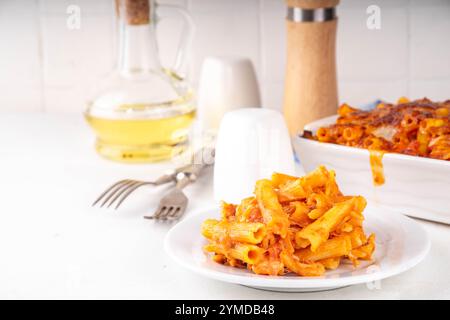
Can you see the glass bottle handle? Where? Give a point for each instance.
(167, 11)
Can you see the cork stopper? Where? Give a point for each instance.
(134, 12)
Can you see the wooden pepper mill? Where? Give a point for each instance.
(310, 87)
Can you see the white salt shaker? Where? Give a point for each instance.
(252, 143)
(226, 83)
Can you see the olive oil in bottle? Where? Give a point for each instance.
(142, 112)
(141, 140)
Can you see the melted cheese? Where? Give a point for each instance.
(376, 164)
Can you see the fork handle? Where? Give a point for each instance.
(190, 174)
(184, 181)
(169, 177)
(193, 168)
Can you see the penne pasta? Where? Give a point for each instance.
(357, 237)
(345, 109)
(330, 263)
(440, 147)
(248, 232)
(318, 232)
(352, 133)
(317, 200)
(325, 135)
(279, 179)
(363, 252)
(409, 122)
(213, 229)
(246, 252)
(302, 269)
(291, 191)
(316, 178)
(216, 248)
(344, 228)
(271, 210)
(300, 215)
(228, 211)
(268, 267)
(317, 213)
(248, 210)
(332, 248)
(402, 100)
(408, 127)
(303, 225)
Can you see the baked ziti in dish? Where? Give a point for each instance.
(419, 128)
(291, 225)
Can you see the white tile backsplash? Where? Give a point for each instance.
(360, 93)
(71, 56)
(20, 57)
(225, 7)
(224, 28)
(376, 54)
(56, 7)
(66, 99)
(273, 41)
(428, 3)
(430, 53)
(272, 94)
(74, 58)
(45, 66)
(433, 89)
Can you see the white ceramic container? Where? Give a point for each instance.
(226, 83)
(252, 144)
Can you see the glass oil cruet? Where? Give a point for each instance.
(143, 112)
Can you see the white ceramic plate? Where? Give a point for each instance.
(401, 244)
(416, 186)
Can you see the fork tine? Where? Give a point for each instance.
(130, 190)
(162, 212)
(173, 204)
(120, 187)
(118, 193)
(108, 190)
(171, 214)
(174, 212)
(178, 213)
(168, 213)
(156, 214)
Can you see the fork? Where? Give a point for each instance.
(124, 188)
(173, 205)
(120, 190)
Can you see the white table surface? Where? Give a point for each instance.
(54, 245)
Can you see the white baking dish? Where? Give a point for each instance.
(416, 186)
